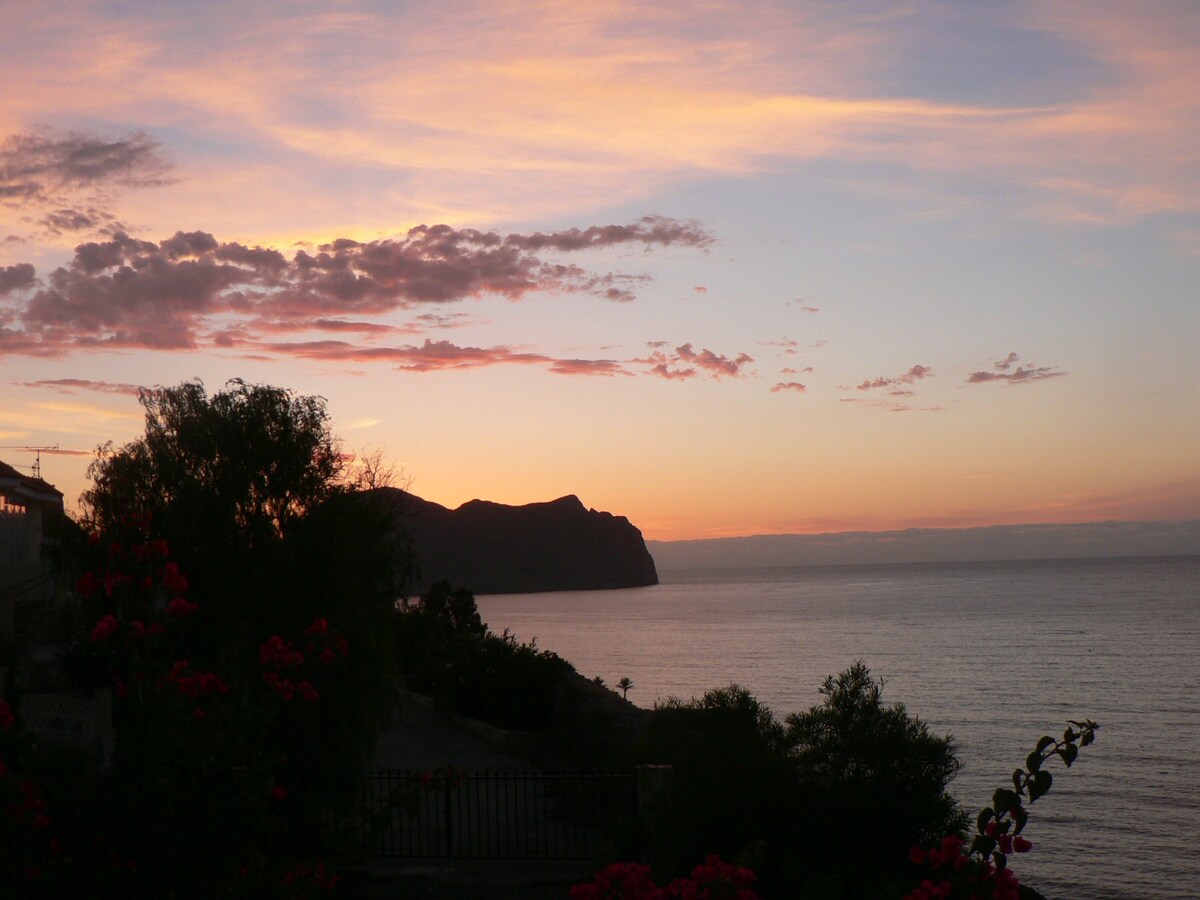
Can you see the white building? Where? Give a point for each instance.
(26, 503)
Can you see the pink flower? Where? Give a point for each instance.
(319, 626)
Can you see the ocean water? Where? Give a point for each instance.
(995, 654)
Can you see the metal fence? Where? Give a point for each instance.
(497, 815)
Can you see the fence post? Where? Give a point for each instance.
(653, 783)
(446, 817)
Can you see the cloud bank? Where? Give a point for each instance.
(192, 290)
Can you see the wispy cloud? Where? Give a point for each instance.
(73, 385)
(73, 177)
(788, 386)
(588, 367)
(1023, 374)
(916, 373)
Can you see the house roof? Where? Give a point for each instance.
(19, 486)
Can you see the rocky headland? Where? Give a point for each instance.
(492, 548)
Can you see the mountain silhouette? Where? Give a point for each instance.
(492, 548)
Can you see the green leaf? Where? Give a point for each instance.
(1033, 761)
(1045, 742)
(1020, 817)
(1068, 754)
(1004, 800)
(1088, 737)
(985, 815)
(1018, 779)
(1069, 735)
(1039, 785)
(983, 845)
(1000, 860)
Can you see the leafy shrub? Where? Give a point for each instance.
(799, 799)
(449, 654)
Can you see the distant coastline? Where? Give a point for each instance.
(934, 545)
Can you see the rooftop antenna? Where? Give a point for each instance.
(36, 468)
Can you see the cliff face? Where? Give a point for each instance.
(491, 548)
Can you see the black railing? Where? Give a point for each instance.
(497, 815)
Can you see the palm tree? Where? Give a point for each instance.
(624, 684)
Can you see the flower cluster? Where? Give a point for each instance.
(956, 871)
(980, 871)
(714, 879)
(304, 880)
(278, 657)
(194, 685)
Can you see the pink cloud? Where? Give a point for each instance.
(716, 365)
(444, 320)
(788, 386)
(126, 292)
(685, 362)
(38, 166)
(71, 385)
(16, 278)
(606, 367)
(1003, 371)
(916, 373)
(700, 289)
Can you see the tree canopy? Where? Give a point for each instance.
(250, 460)
(248, 486)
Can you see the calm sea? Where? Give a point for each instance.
(996, 654)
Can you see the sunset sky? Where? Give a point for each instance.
(723, 268)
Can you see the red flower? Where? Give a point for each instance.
(1021, 845)
(87, 585)
(6, 716)
(104, 629)
(179, 608)
(319, 626)
(278, 794)
(173, 580)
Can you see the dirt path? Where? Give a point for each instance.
(424, 738)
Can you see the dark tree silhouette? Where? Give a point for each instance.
(625, 684)
(248, 487)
